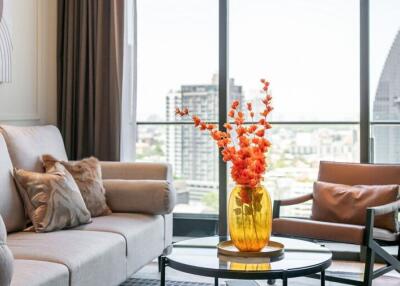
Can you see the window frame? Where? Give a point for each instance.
(218, 222)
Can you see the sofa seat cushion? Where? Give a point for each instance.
(92, 258)
(385, 235)
(27, 144)
(144, 235)
(39, 273)
(347, 233)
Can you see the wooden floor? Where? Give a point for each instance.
(349, 268)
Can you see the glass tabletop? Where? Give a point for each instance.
(203, 253)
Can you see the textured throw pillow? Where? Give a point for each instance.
(87, 175)
(52, 200)
(348, 204)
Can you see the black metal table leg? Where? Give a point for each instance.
(216, 282)
(163, 265)
(159, 264)
(323, 278)
(284, 278)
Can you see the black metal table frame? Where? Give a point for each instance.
(284, 275)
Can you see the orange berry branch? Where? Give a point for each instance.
(247, 154)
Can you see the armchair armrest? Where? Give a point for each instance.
(386, 209)
(297, 200)
(140, 196)
(378, 211)
(290, 202)
(136, 171)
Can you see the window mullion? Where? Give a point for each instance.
(222, 108)
(364, 83)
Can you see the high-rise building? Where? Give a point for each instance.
(387, 107)
(193, 153)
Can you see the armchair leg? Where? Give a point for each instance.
(369, 266)
(363, 253)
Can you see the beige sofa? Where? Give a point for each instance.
(104, 252)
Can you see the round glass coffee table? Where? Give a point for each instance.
(200, 257)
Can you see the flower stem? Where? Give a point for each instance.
(252, 214)
(244, 228)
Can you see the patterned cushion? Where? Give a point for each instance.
(87, 175)
(52, 200)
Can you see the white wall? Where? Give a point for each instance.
(31, 96)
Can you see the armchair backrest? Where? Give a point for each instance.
(359, 174)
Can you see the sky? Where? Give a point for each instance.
(308, 49)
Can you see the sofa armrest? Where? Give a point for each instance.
(386, 209)
(140, 196)
(136, 171)
(6, 257)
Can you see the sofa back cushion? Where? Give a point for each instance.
(11, 208)
(26, 145)
(348, 204)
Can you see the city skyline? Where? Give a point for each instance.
(293, 159)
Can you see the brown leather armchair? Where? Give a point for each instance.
(368, 236)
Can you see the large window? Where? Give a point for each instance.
(385, 80)
(309, 49)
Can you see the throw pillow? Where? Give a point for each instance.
(348, 204)
(87, 175)
(52, 200)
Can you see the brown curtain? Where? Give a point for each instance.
(90, 57)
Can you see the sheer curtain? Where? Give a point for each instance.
(129, 99)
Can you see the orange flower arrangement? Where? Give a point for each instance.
(248, 153)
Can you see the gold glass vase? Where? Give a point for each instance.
(250, 217)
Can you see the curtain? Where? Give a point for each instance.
(89, 79)
(129, 98)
